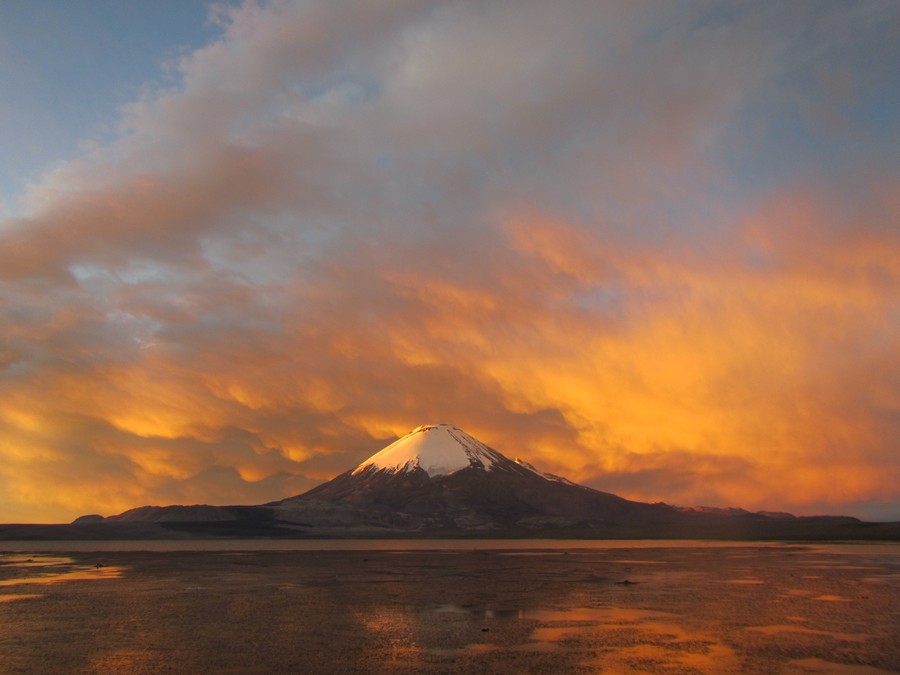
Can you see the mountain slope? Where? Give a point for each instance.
(438, 476)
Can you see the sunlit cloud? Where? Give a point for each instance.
(574, 234)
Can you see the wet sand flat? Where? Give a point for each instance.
(772, 609)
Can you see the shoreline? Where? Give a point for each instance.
(418, 545)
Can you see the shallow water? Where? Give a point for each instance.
(455, 610)
(37, 570)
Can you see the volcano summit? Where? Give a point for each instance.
(442, 450)
(437, 449)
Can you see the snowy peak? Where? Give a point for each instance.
(437, 449)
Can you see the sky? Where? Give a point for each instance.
(651, 246)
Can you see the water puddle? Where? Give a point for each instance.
(813, 665)
(601, 615)
(449, 630)
(68, 575)
(839, 566)
(660, 638)
(704, 658)
(606, 638)
(788, 628)
(19, 596)
(628, 639)
(17, 560)
(21, 570)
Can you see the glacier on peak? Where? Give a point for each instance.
(437, 449)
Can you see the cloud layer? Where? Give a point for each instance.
(653, 249)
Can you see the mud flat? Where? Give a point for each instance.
(747, 609)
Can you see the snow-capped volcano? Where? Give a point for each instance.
(442, 450)
(436, 449)
(438, 476)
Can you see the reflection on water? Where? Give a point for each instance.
(20, 570)
(21, 559)
(713, 622)
(593, 616)
(18, 596)
(626, 639)
(790, 628)
(702, 610)
(630, 639)
(613, 639)
(818, 666)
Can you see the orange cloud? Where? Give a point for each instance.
(685, 380)
(308, 248)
